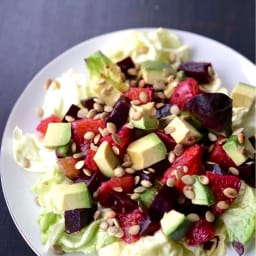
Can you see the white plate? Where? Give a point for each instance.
(230, 65)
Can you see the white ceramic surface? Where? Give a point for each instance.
(230, 66)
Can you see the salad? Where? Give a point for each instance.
(145, 156)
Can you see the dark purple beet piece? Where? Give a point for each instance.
(120, 112)
(187, 207)
(216, 168)
(88, 103)
(148, 227)
(252, 139)
(125, 64)
(197, 70)
(213, 242)
(239, 247)
(92, 182)
(247, 172)
(77, 219)
(121, 202)
(163, 111)
(164, 201)
(146, 176)
(72, 111)
(212, 110)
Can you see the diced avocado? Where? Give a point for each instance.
(234, 150)
(155, 70)
(147, 196)
(57, 134)
(148, 120)
(105, 159)
(175, 225)
(105, 78)
(203, 194)
(63, 151)
(146, 151)
(243, 95)
(182, 131)
(71, 196)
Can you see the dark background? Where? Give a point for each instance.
(33, 32)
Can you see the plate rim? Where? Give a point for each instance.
(59, 57)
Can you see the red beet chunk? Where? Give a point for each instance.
(77, 219)
(197, 70)
(184, 91)
(164, 201)
(168, 141)
(72, 112)
(119, 114)
(201, 232)
(126, 64)
(218, 183)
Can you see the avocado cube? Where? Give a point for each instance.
(243, 95)
(105, 159)
(182, 131)
(146, 151)
(71, 196)
(148, 120)
(234, 150)
(203, 194)
(175, 225)
(57, 134)
(155, 70)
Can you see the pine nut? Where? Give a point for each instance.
(139, 189)
(135, 196)
(119, 233)
(209, 216)
(203, 179)
(79, 165)
(91, 113)
(222, 205)
(87, 172)
(110, 214)
(151, 170)
(188, 193)
(193, 217)
(39, 112)
(116, 138)
(240, 138)
(104, 225)
(78, 155)
(212, 137)
(174, 109)
(98, 107)
(116, 150)
(82, 113)
(143, 96)
(136, 180)
(178, 150)
(69, 118)
(159, 105)
(118, 189)
(171, 157)
(234, 171)
(170, 182)
(230, 192)
(111, 127)
(146, 183)
(47, 84)
(126, 164)
(188, 179)
(134, 230)
(239, 130)
(93, 147)
(96, 139)
(104, 132)
(130, 170)
(119, 171)
(89, 135)
(132, 71)
(25, 163)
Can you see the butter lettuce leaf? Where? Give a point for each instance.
(240, 218)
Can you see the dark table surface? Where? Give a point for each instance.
(34, 32)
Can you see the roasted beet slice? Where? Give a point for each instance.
(88, 103)
(72, 112)
(215, 168)
(120, 112)
(77, 219)
(201, 71)
(187, 207)
(164, 201)
(126, 64)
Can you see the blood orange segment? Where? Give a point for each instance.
(43, 125)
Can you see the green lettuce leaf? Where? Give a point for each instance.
(240, 218)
